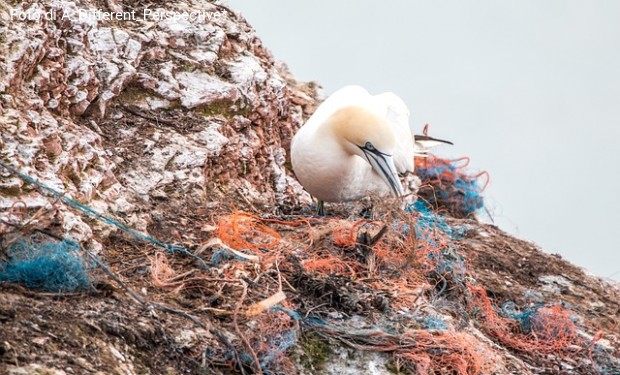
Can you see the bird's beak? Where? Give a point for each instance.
(427, 141)
(383, 164)
(423, 142)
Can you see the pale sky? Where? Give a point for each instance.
(529, 89)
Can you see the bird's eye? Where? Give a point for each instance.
(369, 146)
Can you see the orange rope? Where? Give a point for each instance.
(552, 329)
(242, 230)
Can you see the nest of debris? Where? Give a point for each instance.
(271, 293)
(448, 186)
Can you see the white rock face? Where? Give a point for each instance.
(198, 88)
(554, 283)
(33, 369)
(138, 118)
(348, 362)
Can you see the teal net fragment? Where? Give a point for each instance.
(51, 266)
(171, 248)
(446, 185)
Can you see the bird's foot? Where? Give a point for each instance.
(320, 208)
(368, 213)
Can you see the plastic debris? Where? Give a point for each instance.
(46, 265)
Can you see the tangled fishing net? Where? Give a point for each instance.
(271, 281)
(44, 264)
(539, 328)
(447, 185)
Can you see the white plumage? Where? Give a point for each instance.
(353, 145)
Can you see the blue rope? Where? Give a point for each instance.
(106, 219)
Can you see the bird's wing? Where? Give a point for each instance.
(395, 111)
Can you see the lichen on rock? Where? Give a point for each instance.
(85, 100)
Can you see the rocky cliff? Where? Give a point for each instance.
(151, 223)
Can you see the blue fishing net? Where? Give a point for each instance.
(446, 185)
(46, 265)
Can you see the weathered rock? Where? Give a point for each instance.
(119, 114)
(34, 369)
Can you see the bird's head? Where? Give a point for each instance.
(361, 132)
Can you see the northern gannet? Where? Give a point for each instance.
(355, 144)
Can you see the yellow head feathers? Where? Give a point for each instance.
(359, 126)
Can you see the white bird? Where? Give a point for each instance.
(353, 145)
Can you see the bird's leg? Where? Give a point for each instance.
(368, 212)
(368, 204)
(319, 208)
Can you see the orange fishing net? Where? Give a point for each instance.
(242, 230)
(551, 327)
